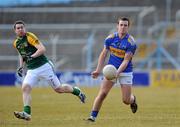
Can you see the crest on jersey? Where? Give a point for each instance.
(25, 44)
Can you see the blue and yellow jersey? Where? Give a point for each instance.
(118, 47)
(26, 47)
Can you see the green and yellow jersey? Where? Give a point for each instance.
(26, 47)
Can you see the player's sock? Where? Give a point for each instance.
(93, 116)
(27, 109)
(76, 91)
(94, 113)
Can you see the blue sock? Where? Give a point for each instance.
(94, 113)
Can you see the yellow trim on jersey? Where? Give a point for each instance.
(131, 40)
(117, 52)
(32, 39)
(14, 43)
(110, 36)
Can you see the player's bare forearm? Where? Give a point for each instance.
(122, 67)
(37, 53)
(101, 60)
(100, 63)
(127, 58)
(40, 50)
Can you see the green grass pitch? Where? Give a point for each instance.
(158, 107)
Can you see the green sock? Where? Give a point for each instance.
(27, 109)
(76, 91)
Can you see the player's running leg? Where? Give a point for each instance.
(103, 92)
(129, 98)
(26, 113)
(65, 88)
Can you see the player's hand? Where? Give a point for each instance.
(95, 74)
(20, 71)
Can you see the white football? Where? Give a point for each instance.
(109, 72)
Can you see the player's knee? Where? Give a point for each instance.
(59, 90)
(26, 88)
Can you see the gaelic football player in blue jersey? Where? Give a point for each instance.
(121, 46)
(31, 52)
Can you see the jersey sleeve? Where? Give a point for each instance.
(131, 45)
(32, 39)
(108, 40)
(14, 43)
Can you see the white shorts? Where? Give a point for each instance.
(43, 72)
(124, 79)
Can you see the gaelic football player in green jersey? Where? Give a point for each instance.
(31, 52)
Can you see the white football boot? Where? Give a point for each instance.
(22, 115)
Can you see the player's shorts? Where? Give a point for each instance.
(46, 72)
(124, 79)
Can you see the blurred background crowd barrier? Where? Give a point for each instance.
(73, 32)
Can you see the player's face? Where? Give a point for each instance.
(20, 30)
(122, 27)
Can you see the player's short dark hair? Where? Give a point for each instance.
(18, 22)
(124, 19)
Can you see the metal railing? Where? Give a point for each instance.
(92, 28)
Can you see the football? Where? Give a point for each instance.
(109, 72)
